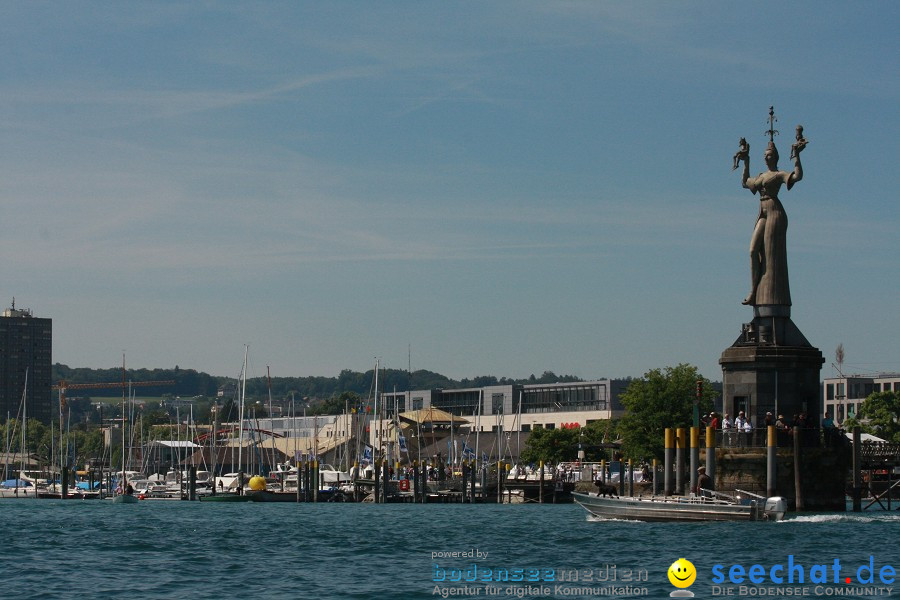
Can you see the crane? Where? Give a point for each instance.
(64, 386)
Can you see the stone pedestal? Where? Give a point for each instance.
(771, 367)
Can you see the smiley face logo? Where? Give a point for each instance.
(682, 573)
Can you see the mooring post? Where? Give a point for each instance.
(771, 454)
(315, 480)
(621, 477)
(667, 461)
(680, 441)
(603, 471)
(377, 474)
(630, 479)
(192, 483)
(857, 466)
(465, 481)
(655, 475)
(472, 472)
(711, 455)
(541, 482)
(500, 481)
(695, 455)
(64, 482)
(798, 492)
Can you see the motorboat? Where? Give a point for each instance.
(708, 506)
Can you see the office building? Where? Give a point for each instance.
(26, 344)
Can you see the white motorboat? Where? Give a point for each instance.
(716, 506)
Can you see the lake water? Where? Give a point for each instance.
(96, 549)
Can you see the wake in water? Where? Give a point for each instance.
(845, 518)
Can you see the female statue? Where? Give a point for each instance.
(768, 244)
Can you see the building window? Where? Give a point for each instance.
(829, 391)
(417, 403)
(526, 427)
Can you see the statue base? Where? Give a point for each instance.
(771, 367)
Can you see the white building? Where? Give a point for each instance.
(842, 396)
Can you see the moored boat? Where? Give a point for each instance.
(716, 507)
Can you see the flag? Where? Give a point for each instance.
(367, 454)
(401, 439)
(468, 452)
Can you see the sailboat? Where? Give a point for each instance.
(19, 487)
(220, 494)
(126, 494)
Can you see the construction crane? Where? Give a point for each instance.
(63, 386)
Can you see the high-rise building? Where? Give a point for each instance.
(26, 345)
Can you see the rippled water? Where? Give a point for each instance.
(96, 549)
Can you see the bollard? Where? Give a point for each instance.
(771, 454)
(667, 464)
(695, 455)
(711, 455)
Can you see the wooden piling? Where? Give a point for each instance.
(541, 486)
(798, 491)
(192, 483)
(857, 465)
(771, 454)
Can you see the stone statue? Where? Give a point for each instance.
(768, 244)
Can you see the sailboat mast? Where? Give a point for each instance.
(24, 426)
(241, 410)
(377, 416)
(124, 422)
(271, 422)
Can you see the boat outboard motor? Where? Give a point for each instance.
(775, 508)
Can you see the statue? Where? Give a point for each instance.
(768, 244)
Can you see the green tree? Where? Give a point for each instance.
(879, 414)
(336, 404)
(562, 445)
(661, 399)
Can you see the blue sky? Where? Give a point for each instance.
(481, 187)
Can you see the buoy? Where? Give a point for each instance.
(257, 483)
(404, 485)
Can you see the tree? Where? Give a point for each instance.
(661, 399)
(336, 404)
(879, 414)
(561, 445)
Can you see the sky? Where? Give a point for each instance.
(473, 188)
